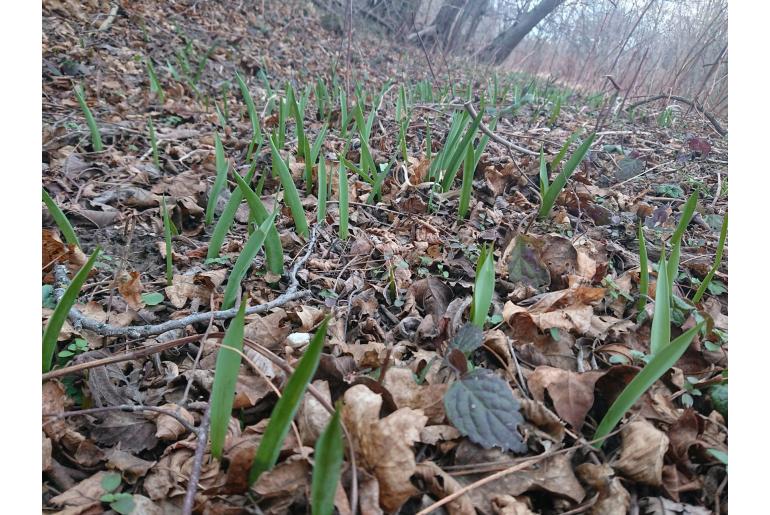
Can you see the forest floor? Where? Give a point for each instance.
(565, 331)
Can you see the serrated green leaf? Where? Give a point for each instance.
(287, 406)
(482, 407)
(467, 339)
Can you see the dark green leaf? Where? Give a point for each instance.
(482, 407)
(525, 265)
(327, 468)
(467, 339)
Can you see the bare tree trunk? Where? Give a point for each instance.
(470, 16)
(501, 47)
(445, 19)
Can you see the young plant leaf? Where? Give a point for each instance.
(225, 377)
(660, 332)
(167, 239)
(322, 189)
(344, 204)
(227, 217)
(549, 198)
(483, 288)
(676, 239)
(658, 365)
(273, 246)
(715, 266)
(96, 137)
(153, 143)
(327, 468)
(482, 407)
(62, 222)
(56, 321)
(219, 181)
(287, 406)
(290, 194)
(467, 339)
(644, 272)
(247, 255)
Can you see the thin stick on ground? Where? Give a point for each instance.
(494, 137)
(695, 105)
(197, 465)
(80, 321)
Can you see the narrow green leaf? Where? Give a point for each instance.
(717, 261)
(660, 333)
(219, 181)
(465, 193)
(563, 151)
(543, 175)
(287, 406)
(155, 86)
(658, 365)
(253, 117)
(273, 246)
(225, 378)
(167, 227)
(96, 138)
(676, 239)
(61, 220)
(327, 468)
(322, 190)
(376, 192)
(483, 287)
(344, 205)
(549, 199)
(644, 272)
(459, 152)
(290, 194)
(247, 255)
(153, 143)
(56, 321)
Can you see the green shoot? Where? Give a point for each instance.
(327, 468)
(563, 151)
(153, 143)
(555, 112)
(219, 181)
(344, 205)
(253, 116)
(676, 239)
(273, 246)
(658, 365)
(660, 333)
(717, 261)
(225, 378)
(61, 220)
(242, 264)
(290, 194)
(550, 192)
(377, 181)
(457, 156)
(465, 193)
(644, 272)
(227, 217)
(484, 286)
(96, 138)
(155, 86)
(52, 330)
(284, 411)
(322, 190)
(167, 238)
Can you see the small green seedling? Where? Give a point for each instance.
(155, 86)
(327, 467)
(291, 196)
(55, 323)
(96, 137)
(61, 220)
(717, 261)
(122, 503)
(219, 181)
(344, 202)
(167, 230)
(153, 143)
(549, 192)
(483, 287)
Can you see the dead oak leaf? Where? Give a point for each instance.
(642, 452)
(130, 288)
(385, 445)
(572, 393)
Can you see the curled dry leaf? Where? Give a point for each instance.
(565, 310)
(199, 286)
(385, 445)
(169, 428)
(642, 452)
(572, 393)
(84, 494)
(131, 468)
(130, 288)
(169, 477)
(440, 484)
(269, 330)
(313, 416)
(408, 394)
(613, 499)
(509, 505)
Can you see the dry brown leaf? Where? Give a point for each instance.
(408, 394)
(130, 288)
(509, 505)
(130, 467)
(313, 416)
(613, 499)
(572, 393)
(47, 459)
(385, 445)
(269, 330)
(83, 493)
(169, 428)
(440, 484)
(439, 433)
(642, 452)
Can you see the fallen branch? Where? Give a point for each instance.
(195, 473)
(695, 105)
(494, 137)
(80, 321)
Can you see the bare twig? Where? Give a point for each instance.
(694, 104)
(197, 465)
(80, 321)
(122, 407)
(494, 137)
